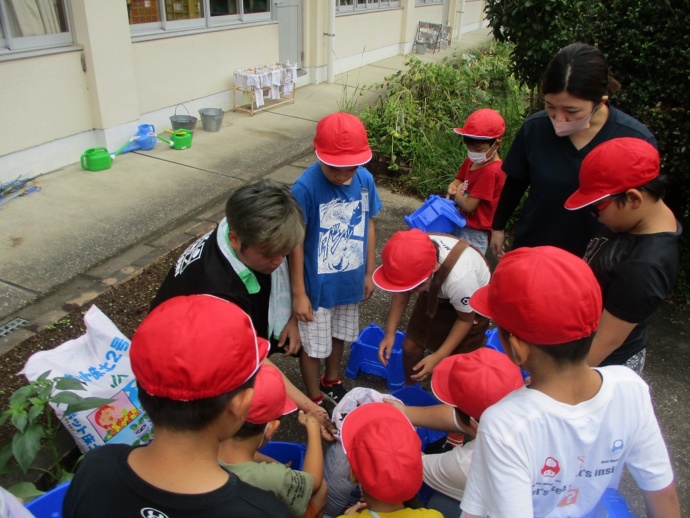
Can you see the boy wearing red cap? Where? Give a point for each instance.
(553, 448)
(331, 272)
(635, 256)
(304, 492)
(196, 398)
(467, 384)
(385, 459)
(444, 271)
(478, 184)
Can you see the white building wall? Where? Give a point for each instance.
(96, 93)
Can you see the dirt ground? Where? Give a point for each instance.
(127, 304)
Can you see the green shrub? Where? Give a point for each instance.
(414, 117)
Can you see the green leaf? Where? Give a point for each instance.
(88, 403)
(65, 476)
(25, 445)
(35, 411)
(4, 417)
(20, 420)
(5, 453)
(43, 376)
(64, 383)
(25, 491)
(66, 397)
(20, 395)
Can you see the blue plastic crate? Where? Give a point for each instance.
(364, 356)
(436, 215)
(611, 505)
(412, 395)
(493, 342)
(286, 452)
(49, 505)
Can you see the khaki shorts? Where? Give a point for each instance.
(430, 333)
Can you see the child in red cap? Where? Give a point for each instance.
(385, 459)
(331, 273)
(468, 384)
(304, 492)
(479, 182)
(553, 448)
(635, 257)
(196, 398)
(444, 271)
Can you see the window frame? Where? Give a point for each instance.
(205, 22)
(367, 5)
(10, 44)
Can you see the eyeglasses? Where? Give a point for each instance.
(598, 208)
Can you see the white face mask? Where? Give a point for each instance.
(478, 157)
(564, 129)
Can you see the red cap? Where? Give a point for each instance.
(384, 451)
(543, 295)
(614, 167)
(474, 381)
(195, 347)
(341, 141)
(409, 258)
(270, 399)
(484, 124)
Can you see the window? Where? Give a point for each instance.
(345, 6)
(34, 24)
(146, 15)
(426, 2)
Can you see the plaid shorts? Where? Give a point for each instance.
(340, 322)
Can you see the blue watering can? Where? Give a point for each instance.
(144, 139)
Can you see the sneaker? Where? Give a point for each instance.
(333, 393)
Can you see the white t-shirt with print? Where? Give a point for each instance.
(468, 275)
(537, 457)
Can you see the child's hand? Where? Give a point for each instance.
(310, 418)
(452, 190)
(395, 403)
(301, 308)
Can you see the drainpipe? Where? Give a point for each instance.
(330, 59)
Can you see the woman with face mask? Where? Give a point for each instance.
(550, 146)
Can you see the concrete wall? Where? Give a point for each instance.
(95, 93)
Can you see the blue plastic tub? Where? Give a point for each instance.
(49, 505)
(364, 356)
(436, 215)
(493, 342)
(286, 452)
(412, 395)
(611, 505)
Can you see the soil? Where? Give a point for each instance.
(126, 305)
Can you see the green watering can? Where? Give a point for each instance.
(96, 159)
(180, 139)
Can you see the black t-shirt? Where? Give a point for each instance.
(550, 166)
(105, 486)
(203, 269)
(635, 272)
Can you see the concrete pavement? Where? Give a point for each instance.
(85, 231)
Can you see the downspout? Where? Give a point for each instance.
(330, 59)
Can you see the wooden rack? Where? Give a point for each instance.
(252, 107)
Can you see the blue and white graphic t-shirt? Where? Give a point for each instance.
(335, 245)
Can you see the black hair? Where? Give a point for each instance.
(656, 189)
(582, 71)
(464, 418)
(568, 353)
(476, 141)
(248, 430)
(563, 354)
(187, 416)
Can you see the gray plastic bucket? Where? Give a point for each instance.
(211, 118)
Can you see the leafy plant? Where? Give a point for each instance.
(414, 116)
(37, 428)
